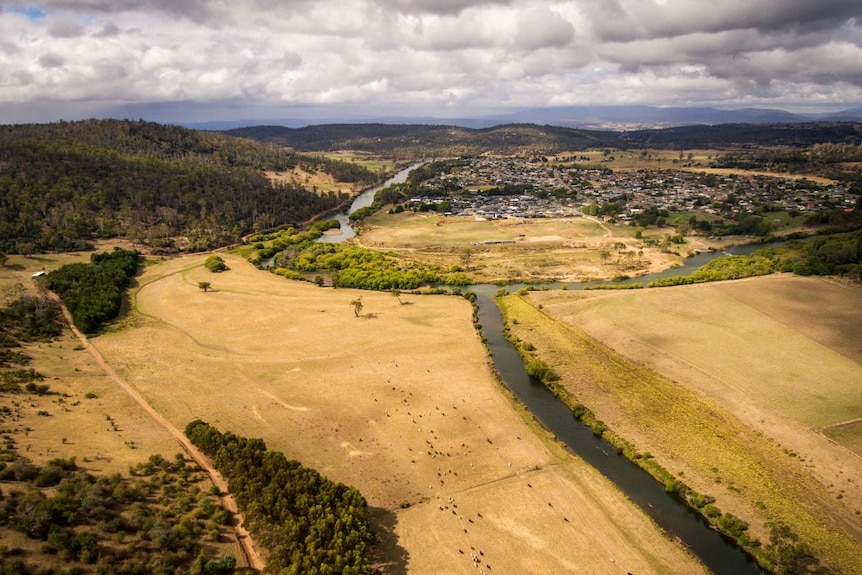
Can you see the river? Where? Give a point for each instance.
(719, 553)
(363, 200)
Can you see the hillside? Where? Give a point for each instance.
(171, 188)
(742, 135)
(415, 140)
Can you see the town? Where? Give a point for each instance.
(494, 187)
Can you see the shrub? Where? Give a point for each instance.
(540, 370)
(732, 524)
(711, 511)
(699, 500)
(215, 264)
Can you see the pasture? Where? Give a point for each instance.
(659, 159)
(369, 160)
(319, 182)
(561, 249)
(731, 386)
(399, 402)
(632, 160)
(84, 415)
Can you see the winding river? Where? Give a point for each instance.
(363, 200)
(719, 553)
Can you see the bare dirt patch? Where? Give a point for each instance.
(400, 403)
(847, 434)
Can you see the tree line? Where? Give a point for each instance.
(93, 292)
(64, 184)
(309, 524)
(834, 254)
(836, 160)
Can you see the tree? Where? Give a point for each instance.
(466, 258)
(604, 253)
(204, 286)
(357, 306)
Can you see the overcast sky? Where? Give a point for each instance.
(197, 60)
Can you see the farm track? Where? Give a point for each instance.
(253, 557)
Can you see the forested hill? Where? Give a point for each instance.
(416, 141)
(731, 135)
(173, 188)
(408, 141)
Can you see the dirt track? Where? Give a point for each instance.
(400, 403)
(252, 555)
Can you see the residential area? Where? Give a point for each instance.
(500, 187)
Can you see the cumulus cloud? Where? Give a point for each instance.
(543, 28)
(424, 57)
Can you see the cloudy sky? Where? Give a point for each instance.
(198, 60)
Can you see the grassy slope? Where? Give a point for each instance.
(700, 441)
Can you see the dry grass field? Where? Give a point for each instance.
(541, 249)
(399, 402)
(632, 160)
(371, 161)
(320, 182)
(690, 161)
(76, 425)
(731, 386)
(323, 182)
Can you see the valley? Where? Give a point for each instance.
(745, 392)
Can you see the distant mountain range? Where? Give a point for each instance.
(615, 118)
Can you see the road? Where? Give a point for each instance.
(252, 554)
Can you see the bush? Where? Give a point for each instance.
(711, 511)
(699, 500)
(215, 264)
(540, 370)
(732, 524)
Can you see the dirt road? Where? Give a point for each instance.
(252, 555)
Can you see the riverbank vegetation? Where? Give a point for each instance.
(310, 525)
(298, 255)
(93, 292)
(702, 442)
(835, 254)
